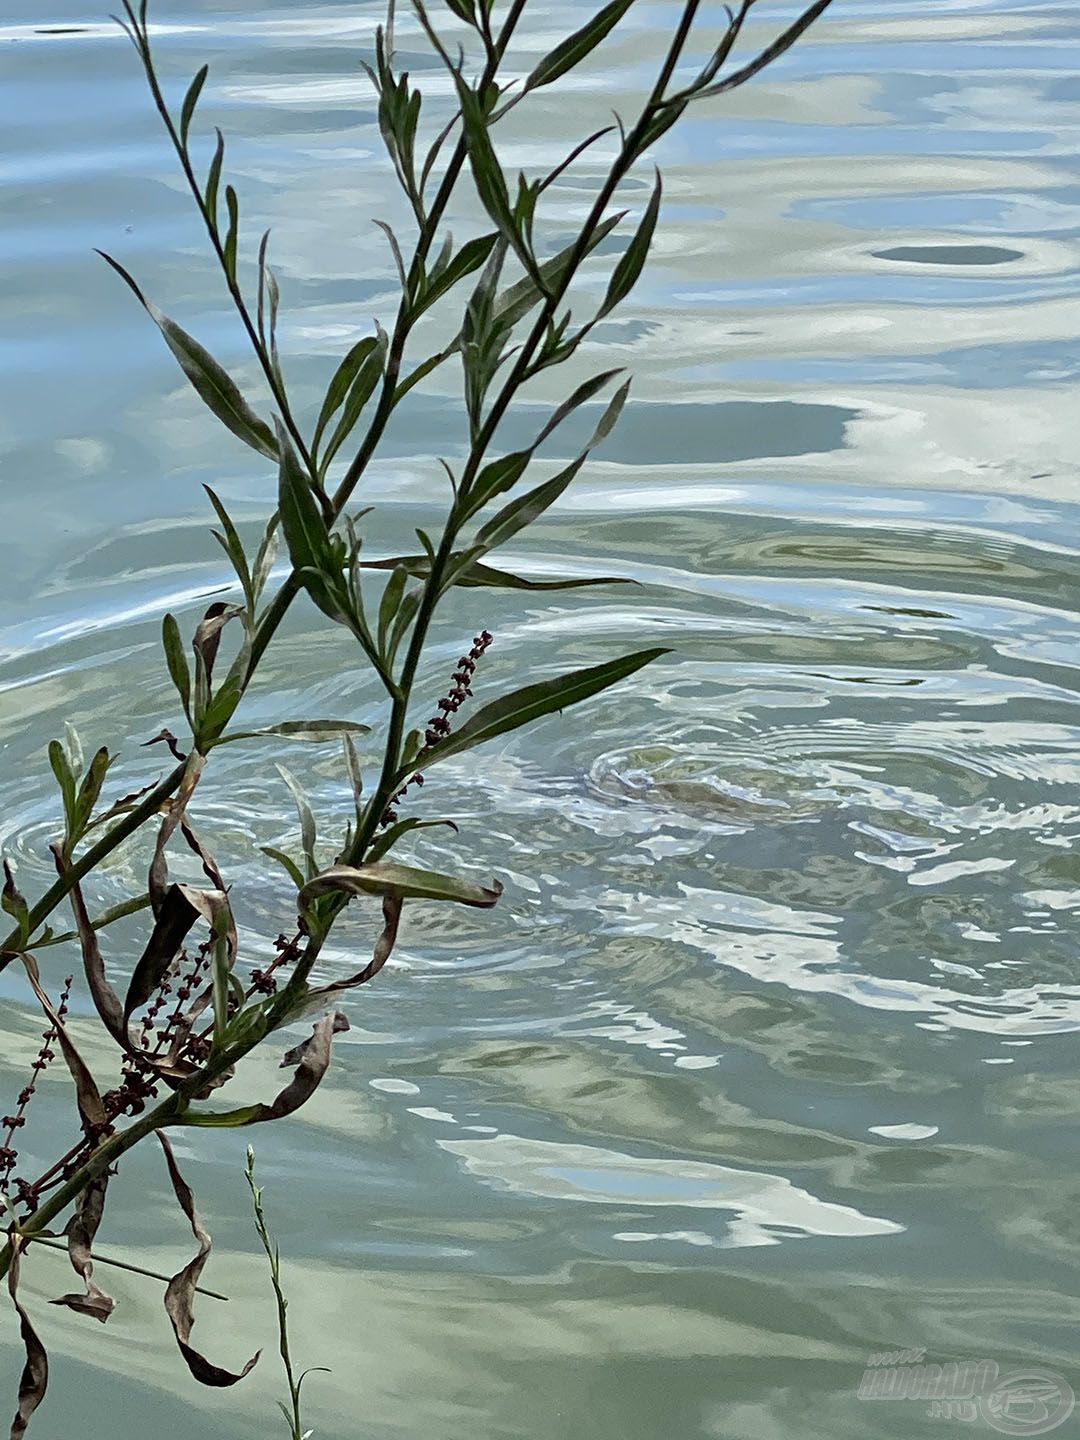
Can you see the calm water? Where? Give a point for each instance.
(766, 1059)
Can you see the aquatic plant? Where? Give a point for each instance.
(187, 1014)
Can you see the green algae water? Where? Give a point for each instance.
(765, 1065)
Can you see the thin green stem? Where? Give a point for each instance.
(273, 379)
(106, 1155)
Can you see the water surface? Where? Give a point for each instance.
(766, 1059)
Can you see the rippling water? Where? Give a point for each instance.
(766, 1059)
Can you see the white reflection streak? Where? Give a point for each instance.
(589, 1174)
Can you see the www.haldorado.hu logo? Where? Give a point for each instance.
(1016, 1402)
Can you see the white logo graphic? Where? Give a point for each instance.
(1016, 1402)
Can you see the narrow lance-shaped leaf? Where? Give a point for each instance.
(306, 533)
(65, 778)
(90, 788)
(232, 545)
(576, 47)
(469, 258)
(525, 509)
(232, 204)
(390, 604)
(338, 388)
(389, 878)
(213, 179)
(771, 52)
(581, 395)
(610, 416)
(176, 660)
(486, 576)
(496, 477)
(214, 386)
(388, 838)
(626, 272)
(191, 99)
(359, 393)
(288, 864)
(532, 702)
(315, 732)
(307, 817)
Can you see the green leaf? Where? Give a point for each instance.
(406, 613)
(402, 881)
(576, 47)
(390, 604)
(306, 533)
(232, 204)
(769, 54)
(315, 731)
(497, 476)
(265, 557)
(191, 99)
(65, 778)
(518, 299)
(525, 509)
(213, 178)
(289, 864)
(626, 272)
(582, 394)
(219, 972)
(214, 386)
(360, 391)
(90, 789)
(488, 576)
(487, 172)
(610, 416)
(338, 388)
(307, 818)
(470, 257)
(390, 836)
(521, 707)
(233, 546)
(176, 660)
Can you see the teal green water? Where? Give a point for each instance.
(766, 1060)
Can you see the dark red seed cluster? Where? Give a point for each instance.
(9, 1154)
(438, 727)
(264, 982)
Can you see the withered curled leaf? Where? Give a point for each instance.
(384, 946)
(181, 1288)
(34, 1379)
(87, 1095)
(81, 1230)
(106, 1001)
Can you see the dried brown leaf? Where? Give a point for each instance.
(159, 868)
(34, 1379)
(208, 633)
(181, 1288)
(106, 1001)
(80, 1232)
(88, 1097)
(391, 909)
(181, 907)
